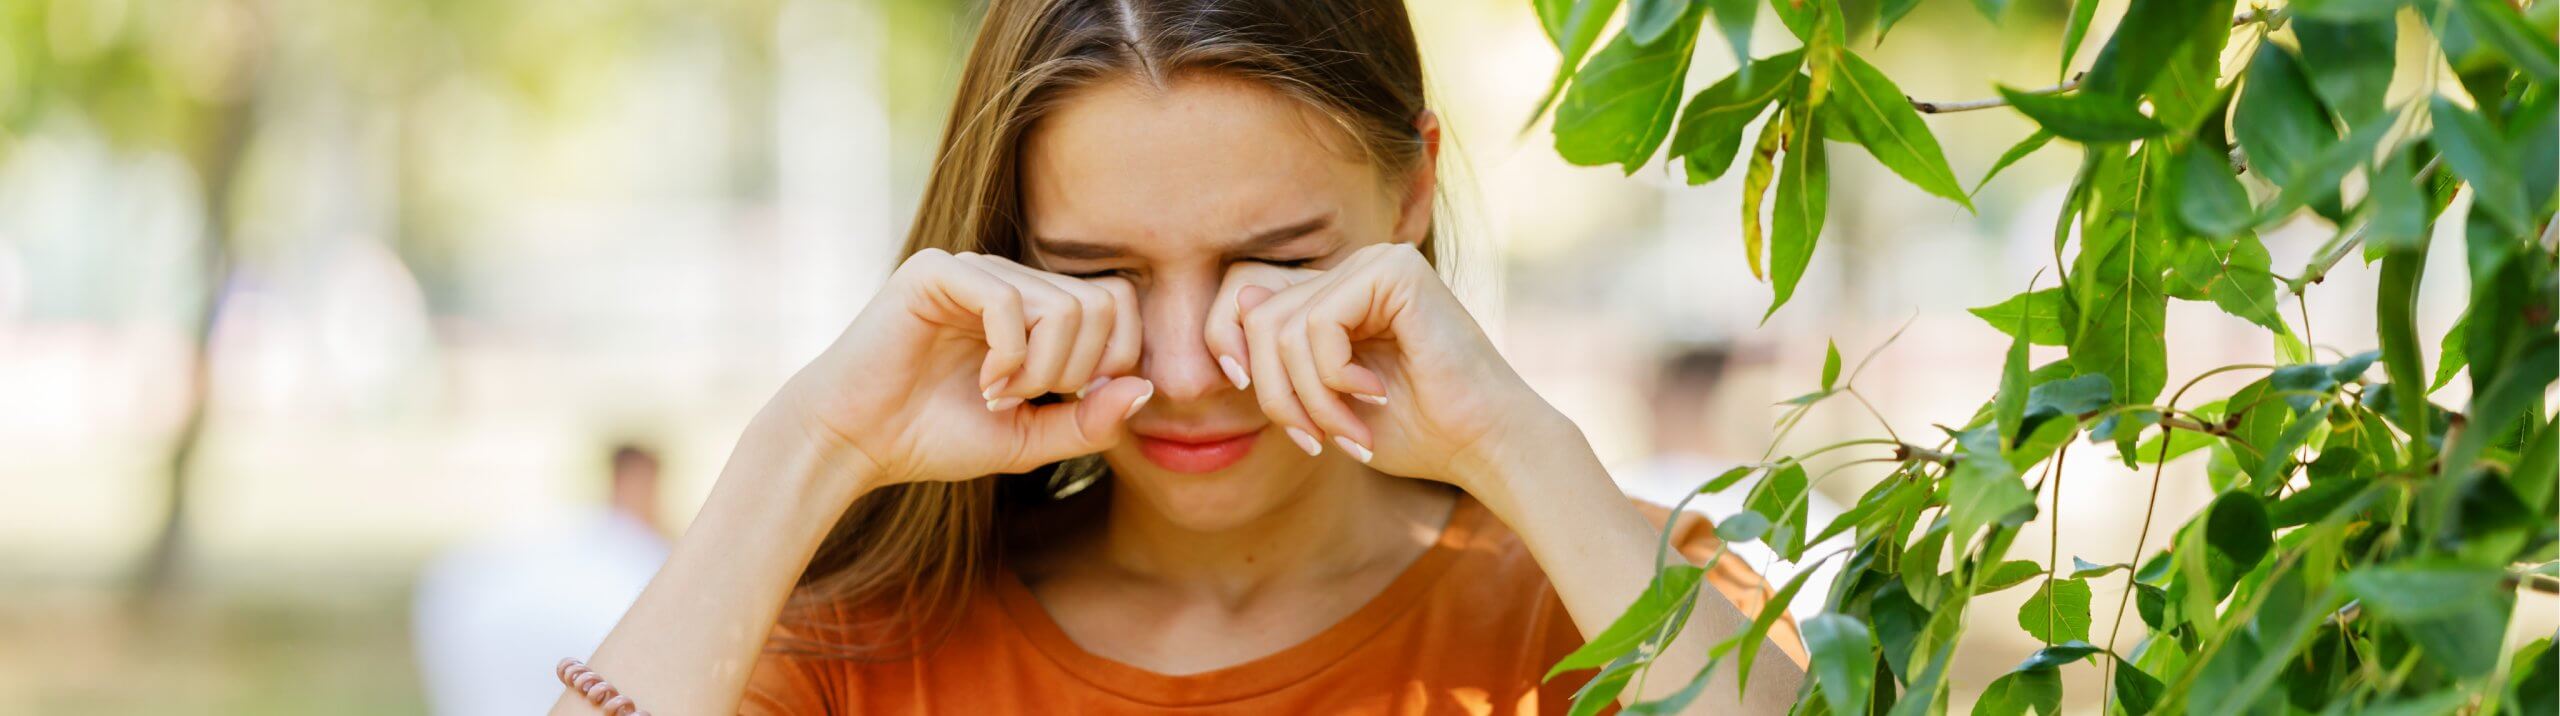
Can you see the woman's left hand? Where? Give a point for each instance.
(1376, 357)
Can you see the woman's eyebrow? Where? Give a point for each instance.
(1078, 249)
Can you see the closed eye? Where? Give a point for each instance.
(1124, 273)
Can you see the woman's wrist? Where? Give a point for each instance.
(789, 458)
(1531, 463)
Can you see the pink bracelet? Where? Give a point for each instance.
(575, 675)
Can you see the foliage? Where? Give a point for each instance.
(2366, 545)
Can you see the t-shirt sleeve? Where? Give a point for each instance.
(781, 685)
(1695, 538)
(784, 682)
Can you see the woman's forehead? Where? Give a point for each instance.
(1197, 163)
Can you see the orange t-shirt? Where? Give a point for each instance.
(1469, 627)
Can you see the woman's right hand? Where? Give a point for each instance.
(930, 382)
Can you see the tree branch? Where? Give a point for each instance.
(1968, 106)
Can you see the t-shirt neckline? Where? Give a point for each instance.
(1258, 676)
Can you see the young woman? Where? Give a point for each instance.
(1166, 410)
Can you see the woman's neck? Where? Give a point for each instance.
(1342, 519)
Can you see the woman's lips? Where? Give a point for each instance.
(1185, 456)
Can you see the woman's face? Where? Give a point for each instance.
(1181, 190)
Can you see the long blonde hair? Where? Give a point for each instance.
(904, 558)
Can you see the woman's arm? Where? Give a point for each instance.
(690, 641)
(928, 384)
(1599, 553)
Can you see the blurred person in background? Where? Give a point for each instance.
(489, 615)
(1166, 409)
(1683, 405)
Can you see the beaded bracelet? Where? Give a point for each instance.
(575, 675)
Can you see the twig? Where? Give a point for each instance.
(1968, 106)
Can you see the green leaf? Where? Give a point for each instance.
(2317, 183)
(2422, 590)
(2236, 525)
(1620, 107)
(2084, 118)
(1884, 122)
(1747, 644)
(2188, 85)
(2400, 214)
(1804, 195)
(1734, 18)
(2076, 31)
(1781, 498)
(2007, 574)
(1743, 527)
(2016, 152)
(1648, 20)
(2058, 655)
(1603, 689)
(2480, 156)
(2395, 321)
(1831, 366)
(2122, 329)
(1755, 190)
(1669, 594)
(2009, 406)
(2150, 33)
(2456, 613)
(1983, 489)
(2210, 198)
(1573, 25)
(2136, 692)
(2058, 612)
(2451, 351)
(1710, 129)
(1844, 657)
(2355, 59)
(2531, 49)
(2038, 314)
(2016, 692)
(2232, 274)
(2281, 124)
(1727, 480)
(2084, 569)
(2347, 10)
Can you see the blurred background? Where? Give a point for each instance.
(301, 300)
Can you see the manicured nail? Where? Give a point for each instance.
(998, 405)
(1370, 399)
(1141, 402)
(993, 388)
(1092, 386)
(1305, 442)
(1235, 372)
(1357, 452)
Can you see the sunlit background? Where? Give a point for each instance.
(295, 294)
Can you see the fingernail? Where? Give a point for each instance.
(993, 388)
(998, 405)
(1235, 372)
(1357, 452)
(1141, 402)
(1092, 386)
(1305, 442)
(1370, 399)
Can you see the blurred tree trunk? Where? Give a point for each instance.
(216, 161)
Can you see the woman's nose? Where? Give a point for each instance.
(1176, 358)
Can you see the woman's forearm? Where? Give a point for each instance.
(689, 643)
(1599, 553)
